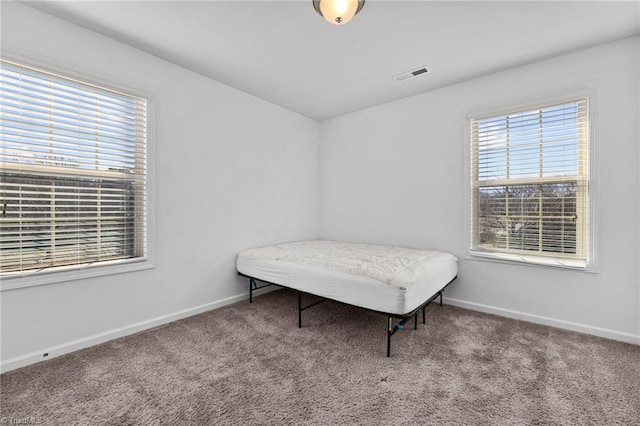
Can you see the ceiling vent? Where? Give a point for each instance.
(414, 73)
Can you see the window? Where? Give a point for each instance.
(529, 184)
(72, 173)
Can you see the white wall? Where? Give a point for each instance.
(232, 172)
(394, 174)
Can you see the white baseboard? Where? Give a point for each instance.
(65, 348)
(553, 322)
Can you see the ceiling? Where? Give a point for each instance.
(285, 53)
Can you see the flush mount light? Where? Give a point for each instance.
(338, 12)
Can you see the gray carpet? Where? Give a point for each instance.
(250, 364)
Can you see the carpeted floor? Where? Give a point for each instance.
(250, 364)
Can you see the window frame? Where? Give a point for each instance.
(59, 274)
(589, 91)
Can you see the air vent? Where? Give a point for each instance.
(410, 74)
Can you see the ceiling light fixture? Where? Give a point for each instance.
(338, 12)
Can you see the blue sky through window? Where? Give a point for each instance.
(52, 121)
(535, 143)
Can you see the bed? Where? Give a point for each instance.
(398, 282)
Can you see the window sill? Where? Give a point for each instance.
(535, 261)
(64, 274)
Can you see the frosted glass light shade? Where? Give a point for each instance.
(338, 12)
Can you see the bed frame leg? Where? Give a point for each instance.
(389, 331)
(415, 321)
(441, 297)
(252, 283)
(299, 310)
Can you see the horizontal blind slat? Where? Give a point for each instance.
(530, 181)
(72, 169)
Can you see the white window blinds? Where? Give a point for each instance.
(73, 172)
(530, 184)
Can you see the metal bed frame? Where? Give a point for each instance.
(400, 320)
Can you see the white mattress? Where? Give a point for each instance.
(388, 279)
